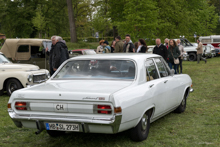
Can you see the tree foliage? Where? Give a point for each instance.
(140, 18)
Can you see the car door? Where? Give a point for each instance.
(154, 87)
(169, 83)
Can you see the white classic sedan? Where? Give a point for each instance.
(105, 93)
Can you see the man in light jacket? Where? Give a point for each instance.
(200, 52)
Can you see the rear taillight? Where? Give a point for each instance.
(104, 109)
(20, 105)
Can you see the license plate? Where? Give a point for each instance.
(62, 127)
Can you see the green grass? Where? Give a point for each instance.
(82, 45)
(199, 125)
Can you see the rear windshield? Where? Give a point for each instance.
(98, 69)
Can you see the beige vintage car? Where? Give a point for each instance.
(28, 51)
(15, 76)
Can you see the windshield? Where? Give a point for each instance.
(98, 69)
(89, 52)
(3, 59)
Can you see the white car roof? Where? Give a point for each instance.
(134, 56)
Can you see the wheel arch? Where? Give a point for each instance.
(6, 80)
(151, 109)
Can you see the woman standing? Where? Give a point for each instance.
(173, 53)
(99, 49)
(142, 46)
(180, 57)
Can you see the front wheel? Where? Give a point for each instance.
(181, 108)
(12, 85)
(140, 132)
(53, 133)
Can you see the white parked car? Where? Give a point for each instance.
(15, 76)
(105, 93)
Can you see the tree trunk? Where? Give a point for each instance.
(71, 21)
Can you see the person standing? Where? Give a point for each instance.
(118, 45)
(60, 53)
(181, 48)
(166, 41)
(99, 49)
(142, 46)
(200, 52)
(107, 48)
(160, 49)
(173, 52)
(128, 47)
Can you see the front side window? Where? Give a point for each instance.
(23, 48)
(98, 69)
(151, 71)
(162, 71)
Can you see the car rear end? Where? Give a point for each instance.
(92, 115)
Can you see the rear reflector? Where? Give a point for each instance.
(104, 109)
(20, 105)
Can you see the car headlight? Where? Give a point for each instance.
(48, 75)
(30, 78)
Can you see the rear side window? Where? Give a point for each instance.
(151, 71)
(23, 48)
(162, 70)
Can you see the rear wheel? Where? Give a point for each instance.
(12, 85)
(140, 132)
(53, 133)
(192, 56)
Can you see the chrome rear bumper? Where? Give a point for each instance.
(86, 124)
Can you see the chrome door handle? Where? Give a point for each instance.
(166, 81)
(151, 85)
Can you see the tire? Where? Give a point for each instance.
(140, 132)
(192, 57)
(53, 133)
(12, 85)
(182, 107)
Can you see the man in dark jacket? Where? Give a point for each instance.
(58, 53)
(128, 45)
(160, 49)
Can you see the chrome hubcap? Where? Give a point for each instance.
(144, 122)
(12, 87)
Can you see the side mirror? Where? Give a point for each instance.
(172, 72)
